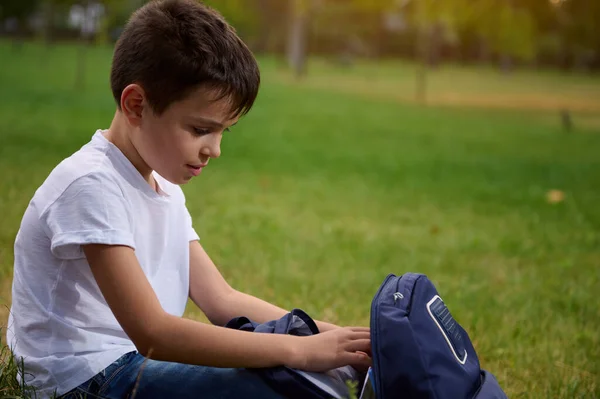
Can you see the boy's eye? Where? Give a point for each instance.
(201, 132)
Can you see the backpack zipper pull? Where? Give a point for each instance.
(397, 296)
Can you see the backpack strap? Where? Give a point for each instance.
(241, 323)
(310, 323)
(285, 325)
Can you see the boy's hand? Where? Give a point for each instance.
(333, 349)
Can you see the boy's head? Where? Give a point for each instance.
(172, 47)
(180, 77)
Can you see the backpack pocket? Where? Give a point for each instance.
(448, 327)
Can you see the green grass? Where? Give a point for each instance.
(330, 184)
(9, 368)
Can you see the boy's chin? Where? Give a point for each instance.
(182, 180)
(178, 180)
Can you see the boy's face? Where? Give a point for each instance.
(179, 143)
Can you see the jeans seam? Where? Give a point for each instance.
(109, 379)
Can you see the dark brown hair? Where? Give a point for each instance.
(172, 47)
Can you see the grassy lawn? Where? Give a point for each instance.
(331, 183)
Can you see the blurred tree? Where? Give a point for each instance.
(578, 20)
(509, 30)
(262, 24)
(242, 14)
(297, 36)
(18, 12)
(506, 29)
(568, 31)
(116, 14)
(274, 24)
(85, 14)
(84, 38)
(558, 32)
(51, 10)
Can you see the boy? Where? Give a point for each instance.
(106, 255)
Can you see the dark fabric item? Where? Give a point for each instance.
(292, 383)
(419, 350)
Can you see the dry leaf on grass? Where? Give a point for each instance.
(555, 196)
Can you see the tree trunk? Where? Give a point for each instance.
(82, 50)
(506, 64)
(483, 51)
(422, 60)
(297, 37)
(421, 93)
(48, 27)
(423, 42)
(15, 30)
(264, 28)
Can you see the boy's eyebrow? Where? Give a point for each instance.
(211, 122)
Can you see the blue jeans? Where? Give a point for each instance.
(134, 376)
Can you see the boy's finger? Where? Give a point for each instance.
(360, 329)
(360, 335)
(359, 345)
(358, 359)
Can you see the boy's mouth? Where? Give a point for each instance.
(196, 169)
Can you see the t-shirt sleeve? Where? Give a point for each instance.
(92, 210)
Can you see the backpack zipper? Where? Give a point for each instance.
(398, 296)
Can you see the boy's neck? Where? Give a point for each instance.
(119, 134)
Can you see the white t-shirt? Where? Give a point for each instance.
(59, 321)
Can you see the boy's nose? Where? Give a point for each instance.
(216, 151)
(212, 148)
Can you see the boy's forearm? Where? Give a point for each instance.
(240, 304)
(181, 340)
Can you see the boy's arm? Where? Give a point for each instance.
(161, 336)
(219, 302)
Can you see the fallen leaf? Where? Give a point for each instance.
(555, 196)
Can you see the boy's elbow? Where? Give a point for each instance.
(149, 337)
(145, 347)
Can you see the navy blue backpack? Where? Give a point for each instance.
(419, 351)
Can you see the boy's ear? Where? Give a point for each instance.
(133, 100)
